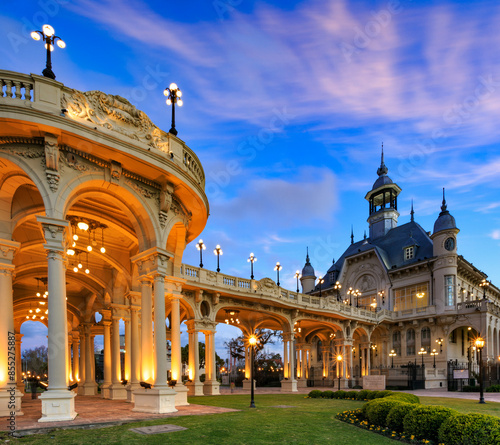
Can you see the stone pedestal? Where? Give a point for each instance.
(194, 388)
(211, 388)
(154, 401)
(301, 383)
(8, 397)
(289, 385)
(117, 392)
(246, 385)
(106, 391)
(181, 393)
(57, 406)
(87, 389)
(130, 391)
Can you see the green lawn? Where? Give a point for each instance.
(312, 421)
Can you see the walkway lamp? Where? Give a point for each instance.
(422, 352)
(381, 295)
(484, 284)
(439, 341)
(392, 354)
(252, 341)
(173, 97)
(218, 252)
(47, 34)
(480, 345)
(251, 260)
(201, 247)
(321, 280)
(297, 275)
(339, 360)
(434, 353)
(337, 287)
(277, 268)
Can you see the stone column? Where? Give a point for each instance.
(83, 380)
(19, 364)
(108, 372)
(76, 365)
(160, 337)
(147, 370)
(195, 387)
(90, 386)
(286, 365)
(128, 352)
(302, 380)
(289, 384)
(92, 358)
(135, 365)
(8, 353)
(117, 391)
(211, 385)
(58, 403)
(69, 367)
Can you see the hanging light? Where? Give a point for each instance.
(82, 225)
(103, 250)
(87, 270)
(89, 247)
(75, 269)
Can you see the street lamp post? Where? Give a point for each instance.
(201, 247)
(434, 353)
(47, 34)
(484, 284)
(337, 287)
(173, 97)
(392, 354)
(218, 252)
(251, 260)
(252, 342)
(339, 359)
(297, 275)
(439, 341)
(480, 345)
(422, 352)
(277, 268)
(381, 295)
(321, 280)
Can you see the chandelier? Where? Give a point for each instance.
(232, 316)
(84, 231)
(76, 262)
(39, 310)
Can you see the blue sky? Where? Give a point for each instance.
(287, 103)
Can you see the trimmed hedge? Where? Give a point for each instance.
(405, 397)
(424, 421)
(378, 410)
(327, 394)
(493, 388)
(371, 395)
(351, 395)
(339, 394)
(397, 414)
(315, 394)
(361, 395)
(382, 394)
(470, 429)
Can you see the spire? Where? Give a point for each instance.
(307, 257)
(352, 235)
(382, 170)
(412, 213)
(444, 206)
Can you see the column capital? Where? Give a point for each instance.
(288, 336)
(8, 250)
(173, 286)
(54, 231)
(152, 261)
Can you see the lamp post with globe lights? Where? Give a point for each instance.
(479, 346)
(252, 341)
(252, 259)
(321, 280)
(277, 268)
(422, 352)
(297, 275)
(47, 34)
(392, 354)
(434, 353)
(201, 247)
(218, 252)
(174, 95)
(337, 287)
(339, 360)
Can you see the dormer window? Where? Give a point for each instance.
(409, 253)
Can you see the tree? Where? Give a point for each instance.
(35, 360)
(201, 350)
(237, 345)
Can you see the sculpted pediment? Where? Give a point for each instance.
(114, 113)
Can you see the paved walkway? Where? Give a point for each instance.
(93, 411)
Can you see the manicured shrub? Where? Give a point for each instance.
(467, 388)
(470, 429)
(378, 410)
(361, 395)
(493, 388)
(339, 394)
(405, 397)
(424, 421)
(395, 418)
(351, 395)
(315, 394)
(327, 394)
(382, 394)
(371, 395)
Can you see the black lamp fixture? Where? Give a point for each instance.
(297, 275)
(47, 34)
(201, 247)
(173, 97)
(479, 342)
(252, 259)
(484, 284)
(145, 385)
(337, 287)
(277, 268)
(218, 252)
(252, 341)
(321, 280)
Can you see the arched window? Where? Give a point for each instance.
(410, 342)
(426, 339)
(396, 342)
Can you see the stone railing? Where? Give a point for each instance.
(267, 289)
(108, 114)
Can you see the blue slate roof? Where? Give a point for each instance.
(390, 249)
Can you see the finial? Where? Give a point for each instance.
(382, 170)
(352, 235)
(307, 256)
(364, 237)
(443, 206)
(412, 212)
(333, 260)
